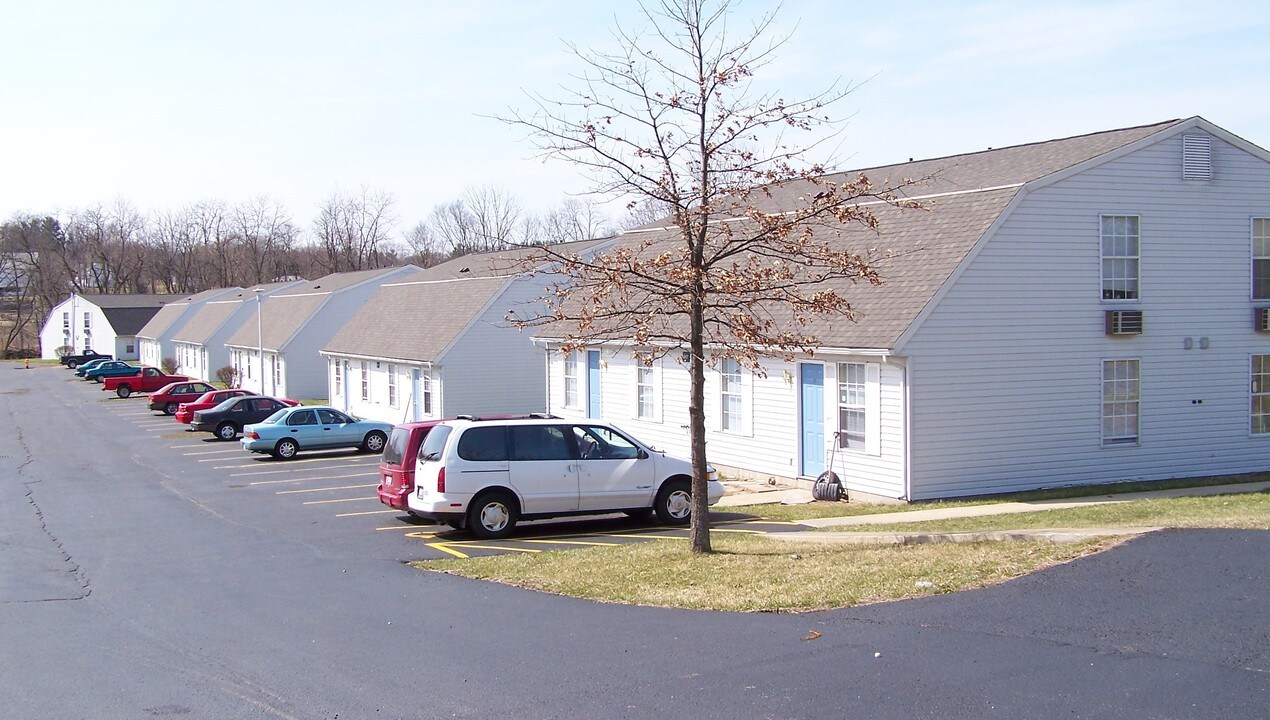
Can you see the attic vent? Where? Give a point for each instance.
(1124, 322)
(1197, 157)
(1261, 319)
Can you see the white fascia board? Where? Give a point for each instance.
(376, 358)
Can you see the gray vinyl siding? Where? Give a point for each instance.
(1006, 370)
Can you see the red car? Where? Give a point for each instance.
(207, 401)
(170, 396)
(397, 465)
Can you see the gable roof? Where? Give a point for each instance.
(175, 310)
(127, 314)
(436, 313)
(503, 262)
(213, 315)
(917, 251)
(290, 309)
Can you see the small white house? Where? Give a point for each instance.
(154, 339)
(104, 323)
(439, 345)
(199, 346)
(276, 348)
(1087, 310)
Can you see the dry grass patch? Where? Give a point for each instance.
(749, 573)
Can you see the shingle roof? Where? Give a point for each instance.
(428, 316)
(213, 315)
(963, 196)
(288, 310)
(502, 262)
(127, 314)
(175, 310)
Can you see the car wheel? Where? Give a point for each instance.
(123, 391)
(285, 449)
(226, 431)
(374, 442)
(169, 409)
(492, 516)
(99, 379)
(72, 364)
(674, 502)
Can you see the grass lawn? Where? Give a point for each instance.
(756, 573)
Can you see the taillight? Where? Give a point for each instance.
(441, 480)
(253, 435)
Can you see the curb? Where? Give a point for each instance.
(1057, 535)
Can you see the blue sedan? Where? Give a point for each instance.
(308, 427)
(112, 368)
(91, 364)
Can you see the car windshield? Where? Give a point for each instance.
(274, 418)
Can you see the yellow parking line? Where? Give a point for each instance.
(324, 489)
(421, 534)
(344, 500)
(368, 512)
(445, 548)
(445, 528)
(651, 536)
(571, 542)
(499, 547)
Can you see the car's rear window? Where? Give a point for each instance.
(434, 444)
(395, 450)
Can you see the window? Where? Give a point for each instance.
(644, 391)
(392, 386)
(730, 394)
(277, 373)
(339, 378)
(426, 381)
(66, 320)
(483, 443)
(851, 405)
(1120, 401)
(365, 380)
(571, 380)
(249, 356)
(601, 443)
(302, 417)
(1261, 258)
(539, 442)
(1260, 394)
(1119, 257)
(88, 320)
(330, 417)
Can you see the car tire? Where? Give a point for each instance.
(72, 364)
(123, 391)
(674, 502)
(374, 442)
(226, 431)
(169, 409)
(99, 379)
(285, 449)
(492, 516)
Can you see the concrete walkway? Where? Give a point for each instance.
(762, 495)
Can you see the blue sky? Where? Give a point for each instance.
(167, 103)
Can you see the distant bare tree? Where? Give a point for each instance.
(351, 227)
(110, 248)
(265, 237)
(497, 216)
(426, 247)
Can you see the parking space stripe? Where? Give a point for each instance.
(324, 489)
(341, 500)
(493, 547)
(368, 512)
(572, 542)
(223, 451)
(445, 548)
(302, 479)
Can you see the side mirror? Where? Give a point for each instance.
(642, 454)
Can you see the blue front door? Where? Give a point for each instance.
(812, 382)
(593, 383)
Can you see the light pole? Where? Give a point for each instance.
(260, 336)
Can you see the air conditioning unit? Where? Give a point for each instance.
(1261, 319)
(1124, 322)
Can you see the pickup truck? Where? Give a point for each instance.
(74, 361)
(148, 379)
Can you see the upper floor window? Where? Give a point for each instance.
(66, 319)
(730, 394)
(1120, 402)
(1120, 257)
(644, 391)
(1260, 394)
(88, 319)
(851, 405)
(1261, 258)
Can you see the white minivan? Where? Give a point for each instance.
(485, 475)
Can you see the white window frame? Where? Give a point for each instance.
(572, 387)
(1118, 259)
(1121, 402)
(1259, 401)
(1259, 231)
(731, 389)
(365, 368)
(645, 391)
(339, 377)
(425, 385)
(853, 400)
(277, 372)
(392, 386)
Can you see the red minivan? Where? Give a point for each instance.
(397, 465)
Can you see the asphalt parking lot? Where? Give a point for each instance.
(340, 485)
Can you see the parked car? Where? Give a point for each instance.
(487, 475)
(74, 361)
(111, 368)
(148, 379)
(286, 432)
(397, 468)
(229, 418)
(185, 411)
(169, 397)
(83, 370)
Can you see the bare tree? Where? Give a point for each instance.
(265, 237)
(31, 280)
(496, 214)
(751, 250)
(426, 247)
(351, 227)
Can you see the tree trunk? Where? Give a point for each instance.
(699, 535)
